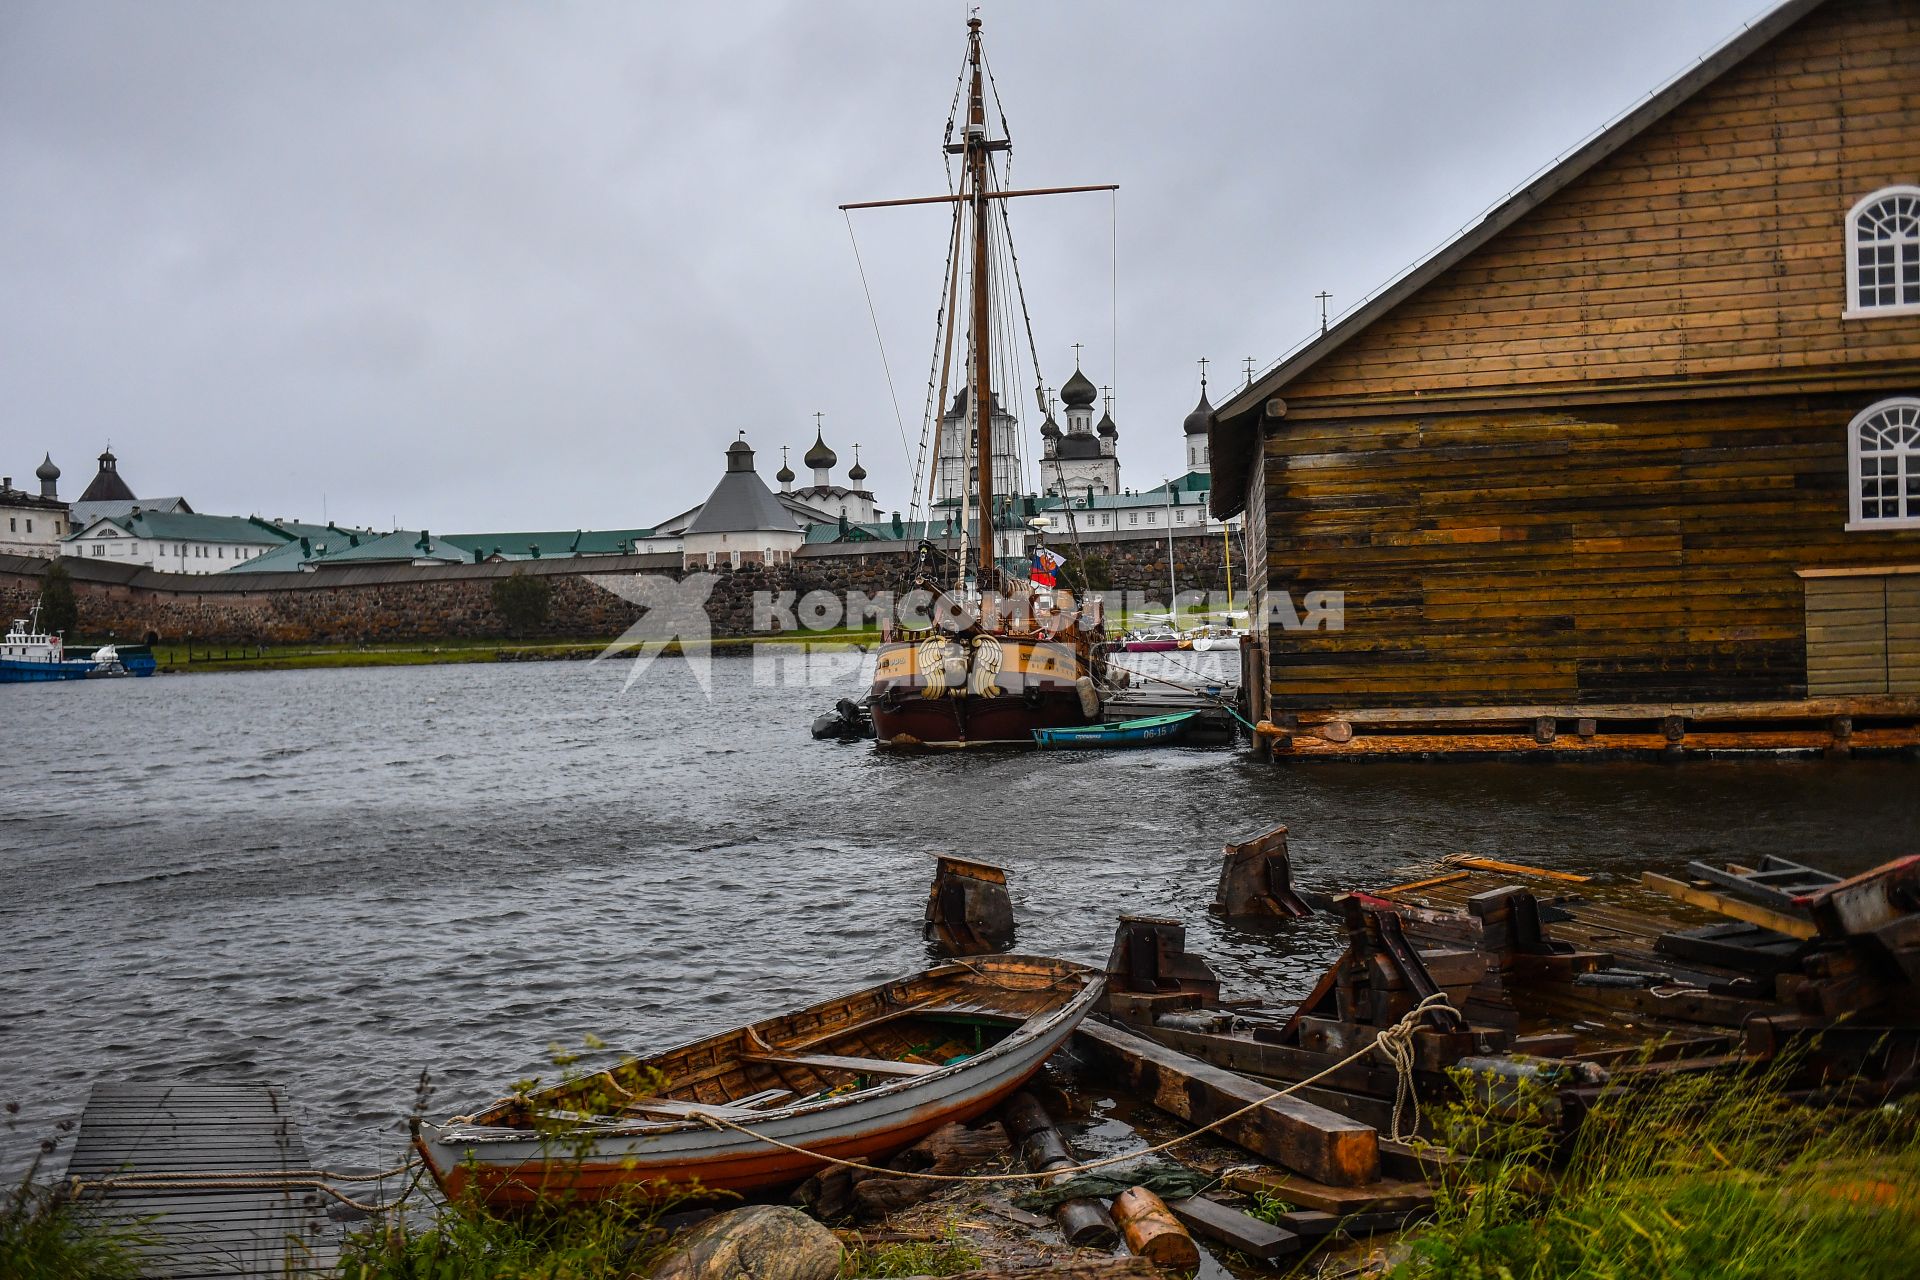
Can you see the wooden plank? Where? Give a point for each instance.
(1382, 1196)
(834, 1062)
(1793, 926)
(1319, 1143)
(202, 1135)
(1238, 1231)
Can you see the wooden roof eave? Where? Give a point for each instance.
(1234, 436)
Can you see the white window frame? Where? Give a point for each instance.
(1853, 309)
(1857, 521)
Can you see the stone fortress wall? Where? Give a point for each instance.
(395, 603)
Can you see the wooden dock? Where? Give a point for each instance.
(193, 1167)
(1215, 723)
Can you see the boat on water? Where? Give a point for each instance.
(111, 660)
(1147, 731)
(1001, 655)
(28, 654)
(1214, 637)
(860, 1077)
(1154, 641)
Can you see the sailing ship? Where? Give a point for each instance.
(1000, 657)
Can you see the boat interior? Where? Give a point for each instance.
(872, 1038)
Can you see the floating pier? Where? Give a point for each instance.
(208, 1175)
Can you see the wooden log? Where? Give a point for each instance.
(1151, 1231)
(1083, 1221)
(1297, 1135)
(1238, 1231)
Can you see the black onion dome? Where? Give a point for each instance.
(857, 473)
(1201, 416)
(1079, 392)
(784, 475)
(819, 455)
(1050, 428)
(1106, 427)
(47, 471)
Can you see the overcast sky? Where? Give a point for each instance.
(511, 266)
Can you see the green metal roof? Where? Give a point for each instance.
(188, 526)
(550, 543)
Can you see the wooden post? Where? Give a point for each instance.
(968, 911)
(1256, 881)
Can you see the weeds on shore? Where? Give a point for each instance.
(563, 1236)
(46, 1236)
(942, 1257)
(1694, 1177)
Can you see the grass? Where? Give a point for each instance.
(1698, 1177)
(941, 1257)
(46, 1236)
(300, 657)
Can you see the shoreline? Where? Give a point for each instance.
(174, 659)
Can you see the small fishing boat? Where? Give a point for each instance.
(1148, 731)
(859, 1077)
(30, 654)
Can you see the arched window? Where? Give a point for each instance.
(1883, 253)
(1883, 460)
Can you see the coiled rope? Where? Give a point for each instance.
(1395, 1044)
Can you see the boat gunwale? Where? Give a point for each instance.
(1034, 1027)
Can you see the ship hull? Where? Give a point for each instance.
(32, 672)
(985, 691)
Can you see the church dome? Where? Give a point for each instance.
(47, 471)
(1106, 427)
(819, 455)
(1050, 428)
(784, 475)
(1079, 393)
(857, 473)
(1202, 415)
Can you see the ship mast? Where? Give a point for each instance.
(976, 148)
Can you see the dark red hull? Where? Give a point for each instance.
(971, 720)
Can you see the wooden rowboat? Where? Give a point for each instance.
(1149, 731)
(859, 1077)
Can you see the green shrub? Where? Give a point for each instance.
(522, 601)
(1692, 1177)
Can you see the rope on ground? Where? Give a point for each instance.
(244, 1180)
(1395, 1043)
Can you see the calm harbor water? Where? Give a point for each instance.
(335, 879)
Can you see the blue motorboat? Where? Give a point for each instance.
(1148, 731)
(29, 654)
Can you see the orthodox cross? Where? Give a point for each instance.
(1076, 354)
(816, 422)
(1248, 364)
(1323, 295)
(1203, 372)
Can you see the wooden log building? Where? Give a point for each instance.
(1638, 452)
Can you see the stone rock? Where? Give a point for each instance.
(756, 1242)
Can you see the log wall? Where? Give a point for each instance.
(1601, 554)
